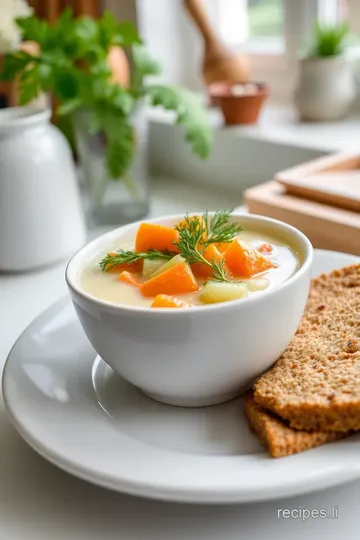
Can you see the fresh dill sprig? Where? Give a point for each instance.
(195, 234)
(191, 235)
(127, 257)
(219, 273)
(218, 228)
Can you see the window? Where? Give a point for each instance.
(265, 18)
(252, 22)
(270, 32)
(261, 24)
(343, 10)
(350, 10)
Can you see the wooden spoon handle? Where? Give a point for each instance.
(52, 10)
(198, 14)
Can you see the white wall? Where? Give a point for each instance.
(172, 39)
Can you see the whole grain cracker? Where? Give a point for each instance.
(279, 439)
(315, 385)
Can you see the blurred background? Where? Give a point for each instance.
(220, 104)
(269, 31)
(276, 84)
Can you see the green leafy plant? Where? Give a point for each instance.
(329, 40)
(72, 64)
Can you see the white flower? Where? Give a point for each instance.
(10, 35)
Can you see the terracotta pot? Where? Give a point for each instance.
(239, 109)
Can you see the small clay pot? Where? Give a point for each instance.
(239, 108)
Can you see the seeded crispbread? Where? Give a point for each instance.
(279, 439)
(315, 385)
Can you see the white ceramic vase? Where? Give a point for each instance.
(41, 218)
(326, 88)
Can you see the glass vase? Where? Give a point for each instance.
(108, 201)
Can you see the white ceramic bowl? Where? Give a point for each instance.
(198, 356)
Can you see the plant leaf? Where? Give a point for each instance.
(56, 57)
(33, 29)
(45, 76)
(73, 36)
(126, 34)
(64, 26)
(14, 63)
(120, 149)
(86, 30)
(190, 114)
(111, 32)
(121, 99)
(29, 85)
(69, 106)
(144, 63)
(101, 69)
(329, 40)
(107, 28)
(65, 19)
(66, 84)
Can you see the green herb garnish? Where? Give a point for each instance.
(218, 229)
(219, 273)
(128, 257)
(194, 236)
(198, 233)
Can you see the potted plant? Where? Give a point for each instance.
(240, 103)
(326, 86)
(109, 118)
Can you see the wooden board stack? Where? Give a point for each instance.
(321, 198)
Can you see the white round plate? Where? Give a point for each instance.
(73, 410)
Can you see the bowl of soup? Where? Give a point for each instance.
(191, 309)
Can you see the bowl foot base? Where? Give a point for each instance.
(193, 402)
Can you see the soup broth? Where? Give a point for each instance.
(107, 286)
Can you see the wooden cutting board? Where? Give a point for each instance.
(334, 180)
(327, 227)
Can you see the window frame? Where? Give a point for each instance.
(181, 47)
(354, 15)
(277, 65)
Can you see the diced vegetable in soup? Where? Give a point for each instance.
(201, 260)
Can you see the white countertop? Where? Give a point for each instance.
(40, 502)
(279, 124)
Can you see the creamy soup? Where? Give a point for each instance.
(107, 285)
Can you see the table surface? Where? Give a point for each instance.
(40, 502)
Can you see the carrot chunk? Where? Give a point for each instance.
(135, 267)
(177, 280)
(265, 248)
(129, 278)
(222, 246)
(245, 261)
(166, 301)
(210, 253)
(152, 236)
